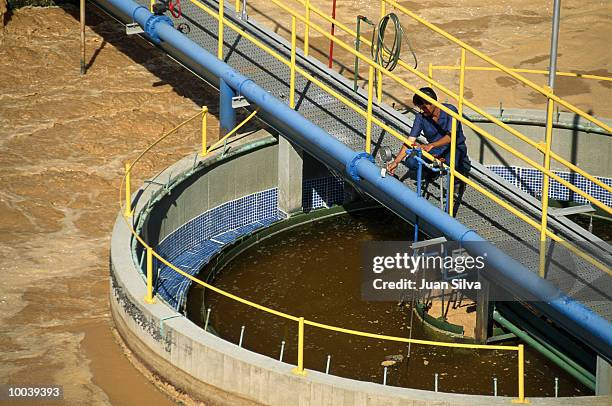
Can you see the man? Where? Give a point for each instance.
(435, 125)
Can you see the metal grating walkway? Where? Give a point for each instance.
(569, 272)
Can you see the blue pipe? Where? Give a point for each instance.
(359, 166)
(227, 114)
(418, 190)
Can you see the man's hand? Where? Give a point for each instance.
(427, 147)
(391, 167)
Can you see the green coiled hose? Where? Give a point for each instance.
(389, 56)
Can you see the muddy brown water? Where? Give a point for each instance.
(314, 271)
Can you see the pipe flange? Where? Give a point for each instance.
(351, 167)
(152, 22)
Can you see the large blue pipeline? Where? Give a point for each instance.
(510, 274)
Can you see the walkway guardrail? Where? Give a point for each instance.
(303, 14)
(432, 68)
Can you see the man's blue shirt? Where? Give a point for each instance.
(433, 131)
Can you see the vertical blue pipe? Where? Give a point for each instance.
(227, 114)
(418, 190)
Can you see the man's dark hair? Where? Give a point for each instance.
(419, 101)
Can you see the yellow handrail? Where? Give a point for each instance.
(470, 105)
(522, 70)
(400, 137)
(233, 131)
(450, 112)
(543, 90)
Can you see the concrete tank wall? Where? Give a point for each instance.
(214, 184)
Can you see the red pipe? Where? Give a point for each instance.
(333, 29)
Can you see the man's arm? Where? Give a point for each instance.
(445, 128)
(391, 166)
(438, 143)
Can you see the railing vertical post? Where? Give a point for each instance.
(451, 164)
(237, 7)
(207, 319)
(545, 181)
(204, 129)
(299, 369)
(368, 146)
(461, 82)
(243, 11)
(149, 297)
(379, 75)
(357, 44)
(282, 351)
(330, 63)
(292, 79)
(220, 36)
(430, 71)
(151, 5)
(307, 28)
(521, 375)
(82, 21)
(128, 192)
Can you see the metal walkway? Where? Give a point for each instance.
(570, 273)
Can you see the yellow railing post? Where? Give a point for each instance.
(307, 28)
(368, 145)
(521, 375)
(545, 186)
(151, 5)
(430, 71)
(204, 129)
(149, 297)
(292, 78)
(237, 8)
(453, 142)
(220, 36)
(451, 165)
(461, 82)
(128, 192)
(379, 74)
(299, 369)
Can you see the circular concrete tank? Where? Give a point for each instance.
(199, 207)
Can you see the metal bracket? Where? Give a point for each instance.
(568, 211)
(428, 243)
(133, 29)
(239, 101)
(243, 13)
(164, 186)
